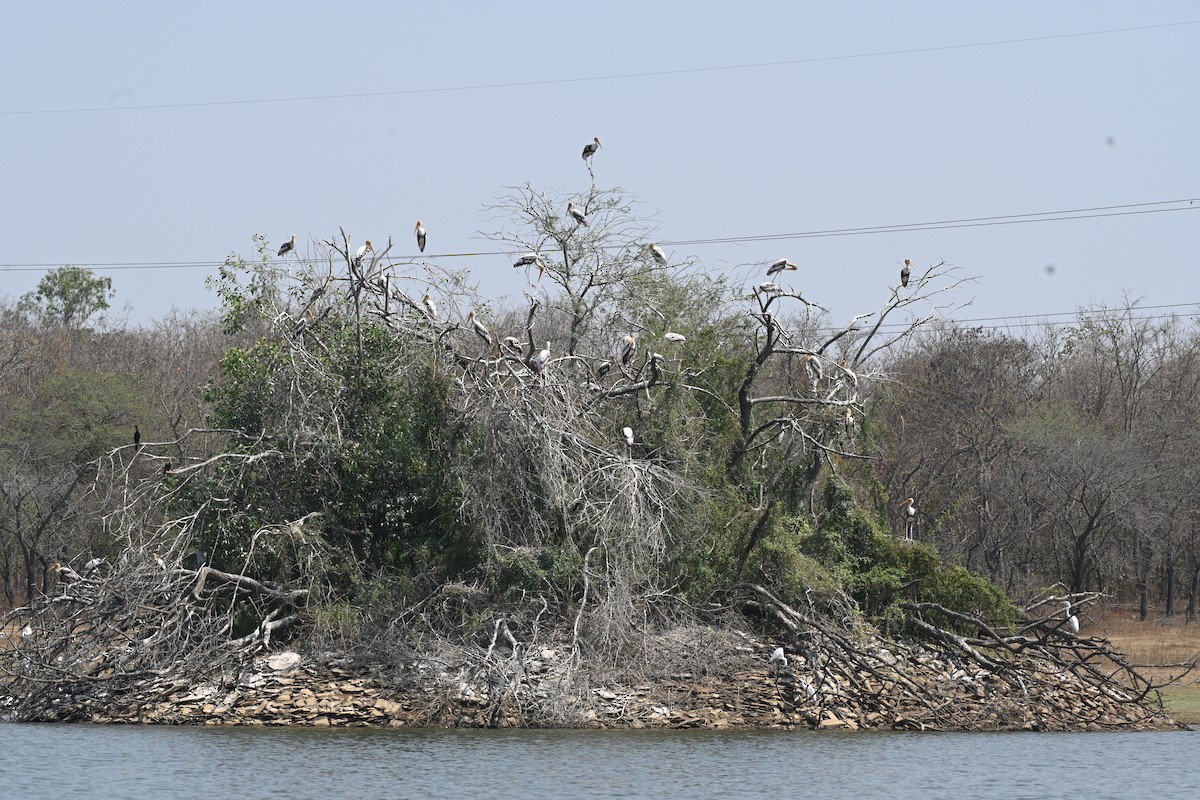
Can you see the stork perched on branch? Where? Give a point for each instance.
(420, 232)
(905, 272)
(591, 147)
(480, 329)
(779, 266)
(576, 213)
(910, 518)
(287, 246)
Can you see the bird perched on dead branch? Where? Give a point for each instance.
(65, 572)
(428, 306)
(779, 266)
(591, 147)
(659, 254)
(910, 518)
(539, 361)
(420, 232)
(905, 272)
(288, 246)
(628, 348)
(480, 329)
(576, 213)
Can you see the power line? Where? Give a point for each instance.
(1093, 212)
(599, 78)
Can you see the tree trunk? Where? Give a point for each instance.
(1170, 587)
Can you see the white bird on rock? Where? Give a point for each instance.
(779, 658)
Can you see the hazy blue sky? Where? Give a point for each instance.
(851, 137)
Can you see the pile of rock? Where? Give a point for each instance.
(288, 689)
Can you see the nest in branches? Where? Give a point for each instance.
(108, 633)
(963, 674)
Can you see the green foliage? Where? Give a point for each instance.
(246, 289)
(68, 297)
(880, 571)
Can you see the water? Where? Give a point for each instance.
(68, 761)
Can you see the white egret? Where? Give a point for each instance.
(779, 658)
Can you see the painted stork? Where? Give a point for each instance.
(92, 565)
(627, 435)
(628, 348)
(480, 329)
(288, 246)
(512, 343)
(539, 361)
(428, 306)
(65, 572)
(779, 266)
(905, 272)
(778, 657)
(659, 254)
(302, 323)
(576, 213)
(420, 232)
(362, 251)
(591, 147)
(767, 287)
(910, 518)
(602, 369)
(849, 421)
(526, 260)
(677, 338)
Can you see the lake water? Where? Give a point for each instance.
(69, 761)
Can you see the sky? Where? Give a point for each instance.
(147, 134)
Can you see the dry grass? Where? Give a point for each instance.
(1157, 647)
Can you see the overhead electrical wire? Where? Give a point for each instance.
(1094, 212)
(598, 78)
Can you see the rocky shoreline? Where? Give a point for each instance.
(289, 689)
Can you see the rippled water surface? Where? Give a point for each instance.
(66, 761)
